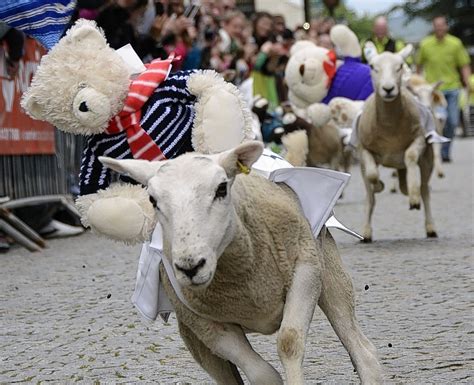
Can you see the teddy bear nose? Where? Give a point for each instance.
(302, 69)
(83, 107)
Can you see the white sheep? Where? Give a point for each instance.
(245, 260)
(429, 95)
(315, 141)
(390, 133)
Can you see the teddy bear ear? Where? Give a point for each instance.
(86, 30)
(300, 46)
(31, 106)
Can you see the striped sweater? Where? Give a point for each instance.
(167, 117)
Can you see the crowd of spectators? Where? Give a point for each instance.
(212, 35)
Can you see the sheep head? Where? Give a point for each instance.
(386, 71)
(193, 199)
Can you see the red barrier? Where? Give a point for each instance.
(19, 134)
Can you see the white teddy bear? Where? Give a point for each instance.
(84, 87)
(314, 76)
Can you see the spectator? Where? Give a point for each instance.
(381, 38)
(14, 41)
(279, 25)
(324, 40)
(326, 25)
(443, 57)
(266, 62)
(119, 21)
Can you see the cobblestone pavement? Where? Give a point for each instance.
(65, 314)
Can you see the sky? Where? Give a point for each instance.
(371, 6)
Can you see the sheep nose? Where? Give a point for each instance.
(83, 107)
(190, 272)
(388, 90)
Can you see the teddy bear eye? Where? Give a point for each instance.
(83, 107)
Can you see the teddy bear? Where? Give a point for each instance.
(84, 87)
(313, 74)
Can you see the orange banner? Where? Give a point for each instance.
(19, 134)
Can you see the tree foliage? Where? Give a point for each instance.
(460, 14)
(360, 24)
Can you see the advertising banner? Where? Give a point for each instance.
(19, 134)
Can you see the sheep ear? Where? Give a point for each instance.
(139, 170)
(437, 84)
(406, 51)
(241, 158)
(370, 51)
(31, 106)
(438, 98)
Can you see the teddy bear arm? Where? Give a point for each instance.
(122, 212)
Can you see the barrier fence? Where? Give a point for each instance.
(35, 159)
(24, 176)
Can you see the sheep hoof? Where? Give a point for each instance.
(432, 234)
(378, 186)
(366, 240)
(440, 175)
(415, 206)
(393, 190)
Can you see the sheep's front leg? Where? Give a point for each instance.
(223, 371)
(368, 167)
(227, 343)
(297, 315)
(412, 157)
(426, 168)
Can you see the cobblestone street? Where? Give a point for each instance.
(66, 315)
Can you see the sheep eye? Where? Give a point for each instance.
(153, 202)
(221, 191)
(372, 68)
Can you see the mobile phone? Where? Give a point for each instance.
(191, 11)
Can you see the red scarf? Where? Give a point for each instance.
(128, 120)
(330, 67)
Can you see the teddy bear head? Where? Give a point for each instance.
(80, 84)
(308, 73)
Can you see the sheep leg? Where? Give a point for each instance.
(222, 371)
(226, 341)
(370, 197)
(412, 156)
(371, 170)
(297, 315)
(229, 342)
(426, 168)
(337, 302)
(437, 160)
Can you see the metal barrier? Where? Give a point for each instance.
(23, 176)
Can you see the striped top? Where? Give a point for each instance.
(167, 117)
(128, 120)
(45, 20)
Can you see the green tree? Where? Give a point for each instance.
(460, 14)
(361, 25)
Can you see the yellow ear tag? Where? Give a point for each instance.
(243, 168)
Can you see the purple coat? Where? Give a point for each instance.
(352, 81)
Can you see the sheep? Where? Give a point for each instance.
(245, 260)
(314, 141)
(429, 95)
(390, 133)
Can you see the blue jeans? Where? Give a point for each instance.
(452, 121)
